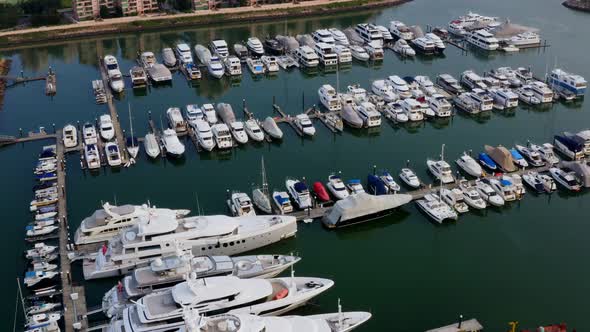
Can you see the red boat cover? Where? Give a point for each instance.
(321, 192)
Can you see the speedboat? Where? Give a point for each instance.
(209, 113)
(441, 170)
(469, 165)
(402, 48)
(175, 120)
(171, 143)
(152, 148)
(488, 193)
(546, 152)
(567, 180)
(436, 209)
(336, 187)
(471, 195)
(320, 192)
(70, 136)
(359, 53)
(270, 63)
(454, 198)
(39, 279)
(255, 47)
(533, 156)
(518, 158)
(389, 182)
(113, 154)
(354, 186)
(329, 98)
(304, 124)
(532, 180)
(383, 90)
(282, 201)
(107, 132)
(486, 161)
(255, 65)
(547, 182)
(114, 73)
(504, 188)
(40, 251)
(240, 204)
(253, 130)
(203, 133)
(91, 156)
(410, 178)
(215, 67)
(238, 132)
(299, 192)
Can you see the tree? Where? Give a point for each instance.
(42, 12)
(8, 15)
(104, 12)
(183, 5)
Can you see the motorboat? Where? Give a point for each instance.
(255, 47)
(304, 124)
(409, 177)
(504, 98)
(287, 62)
(240, 204)
(389, 182)
(193, 112)
(45, 322)
(369, 33)
(424, 45)
(486, 161)
(472, 80)
(157, 72)
(35, 231)
(412, 109)
(567, 180)
(169, 58)
(282, 201)
(219, 48)
(400, 30)
(320, 193)
(402, 48)
(387, 36)
(139, 78)
(585, 136)
(526, 95)
(454, 198)
(107, 132)
(323, 36)
(171, 143)
(400, 86)
(384, 90)
(209, 113)
(255, 65)
(518, 158)
(436, 209)
(482, 99)
(70, 136)
(212, 62)
(222, 136)
(441, 170)
(483, 39)
(532, 180)
(326, 55)
(375, 51)
(350, 116)
(336, 186)
(504, 188)
(415, 89)
(569, 146)
(343, 53)
(238, 132)
(507, 76)
(491, 83)
(357, 93)
(183, 53)
(471, 195)
(42, 307)
(114, 75)
(113, 154)
(540, 90)
(40, 250)
(202, 130)
(546, 152)
(339, 37)
(531, 155)
(359, 53)
(449, 84)
(464, 102)
(426, 85)
(241, 52)
(253, 130)
(175, 120)
(151, 146)
(270, 63)
(488, 193)
(546, 180)
(273, 46)
(232, 65)
(518, 184)
(369, 114)
(307, 57)
(439, 104)
(469, 165)
(561, 80)
(439, 44)
(299, 193)
(39, 279)
(226, 113)
(271, 128)
(43, 266)
(91, 156)
(329, 98)
(395, 112)
(354, 186)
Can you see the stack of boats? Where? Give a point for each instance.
(42, 272)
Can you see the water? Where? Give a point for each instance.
(501, 265)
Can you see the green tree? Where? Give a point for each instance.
(8, 15)
(104, 12)
(183, 5)
(42, 12)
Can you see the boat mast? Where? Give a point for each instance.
(264, 182)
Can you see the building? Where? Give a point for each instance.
(137, 7)
(90, 9)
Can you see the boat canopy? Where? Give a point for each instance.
(362, 205)
(375, 185)
(502, 157)
(573, 143)
(354, 181)
(300, 187)
(30, 274)
(515, 154)
(281, 200)
(505, 182)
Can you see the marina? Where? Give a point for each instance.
(202, 180)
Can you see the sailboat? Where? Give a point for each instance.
(260, 195)
(132, 143)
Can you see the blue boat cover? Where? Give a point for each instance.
(280, 199)
(486, 159)
(375, 185)
(516, 154)
(300, 187)
(571, 143)
(28, 227)
(30, 274)
(505, 182)
(113, 148)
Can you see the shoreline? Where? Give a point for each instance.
(198, 19)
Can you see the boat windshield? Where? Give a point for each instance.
(112, 66)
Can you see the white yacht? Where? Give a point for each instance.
(255, 47)
(395, 112)
(209, 113)
(175, 120)
(238, 132)
(541, 91)
(113, 154)
(400, 31)
(136, 246)
(151, 145)
(441, 170)
(222, 136)
(533, 156)
(171, 143)
(369, 114)
(169, 57)
(384, 90)
(339, 37)
(306, 56)
(532, 179)
(424, 45)
(240, 204)
(439, 104)
(472, 80)
(357, 93)
(329, 98)
(387, 36)
(413, 109)
(469, 165)
(504, 98)
(527, 38)
(439, 44)
(282, 201)
(326, 55)
(156, 71)
(183, 53)
(436, 209)
(343, 53)
(105, 223)
(355, 187)
(232, 65)
(255, 65)
(471, 195)
(399, 86)
(449, 84)
(375, 51)
(304, 124)
(546, 152)
(567, 180)
(483, 101)
(203, 132)
(270, 63)
(271, 128)
(323, 36)
(91, 156)
(253, 130)
(504, 188)
(488, 193)
(193, 112)
(336, 187)
(426, 85)
(359, 53)
(483, 39)
(402, 48)
(390, 184)
(219, 48)
(410, 178)
(454, 198)
(299, 193)
(105, 127)
(213, 62)
(40, 250)
(526, 95)
(165, 272)
(70, 136)
(369, 33)
(114, 73)
(89, 133)
(563, 81)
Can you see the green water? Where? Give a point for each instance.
(525, 262)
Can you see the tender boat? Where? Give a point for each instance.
(171, 143)
(567, 180)
(168, 57)
(271, 128)
(436, 209)
(336, 186)
(151, 146)
(255, 65)
(107, 132)
(329, 98)
(471, 195)
(454, 198)
(531, 155)
(469, 165)
(339, 37)
(282, 201)
(299, 193)
(270, 63)
(253, 130)
(114, 73)
(240, 204)
(449, 84)
(113, 154)
(70, 136)
(441, 170)
(546, 152)
(486, 161)
(359, 53)
(222, 136)
(410, 178)
(203, 133)
(304, 124)
(488, 193)
(255, 47)
(238, 132)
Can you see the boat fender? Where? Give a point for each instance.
(282, 294)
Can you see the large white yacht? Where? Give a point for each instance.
(384, 90)
(114, 73)
(369, 34)
(413, 109)
(371, 117)
(483, 39)
(255, 47)
(204, 134)
(105, 223)
(472, 80)
(344, 54)
(400, 30)
(323, 36)
(436, 209)
(306, 56)
(213, 62)
(541, 91)
(183, 53)
(400, 86)
(137, 245)
(572, 83)
(441, 170)
(339, 37)
(299, 192)
(326, 54)
(219, 48)
(329, 98)
(222, 136)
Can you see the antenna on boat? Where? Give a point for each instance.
(115, 198)
(264, 180)
(339, 314)
(442, 152)
(130, 124)
(198, 205)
